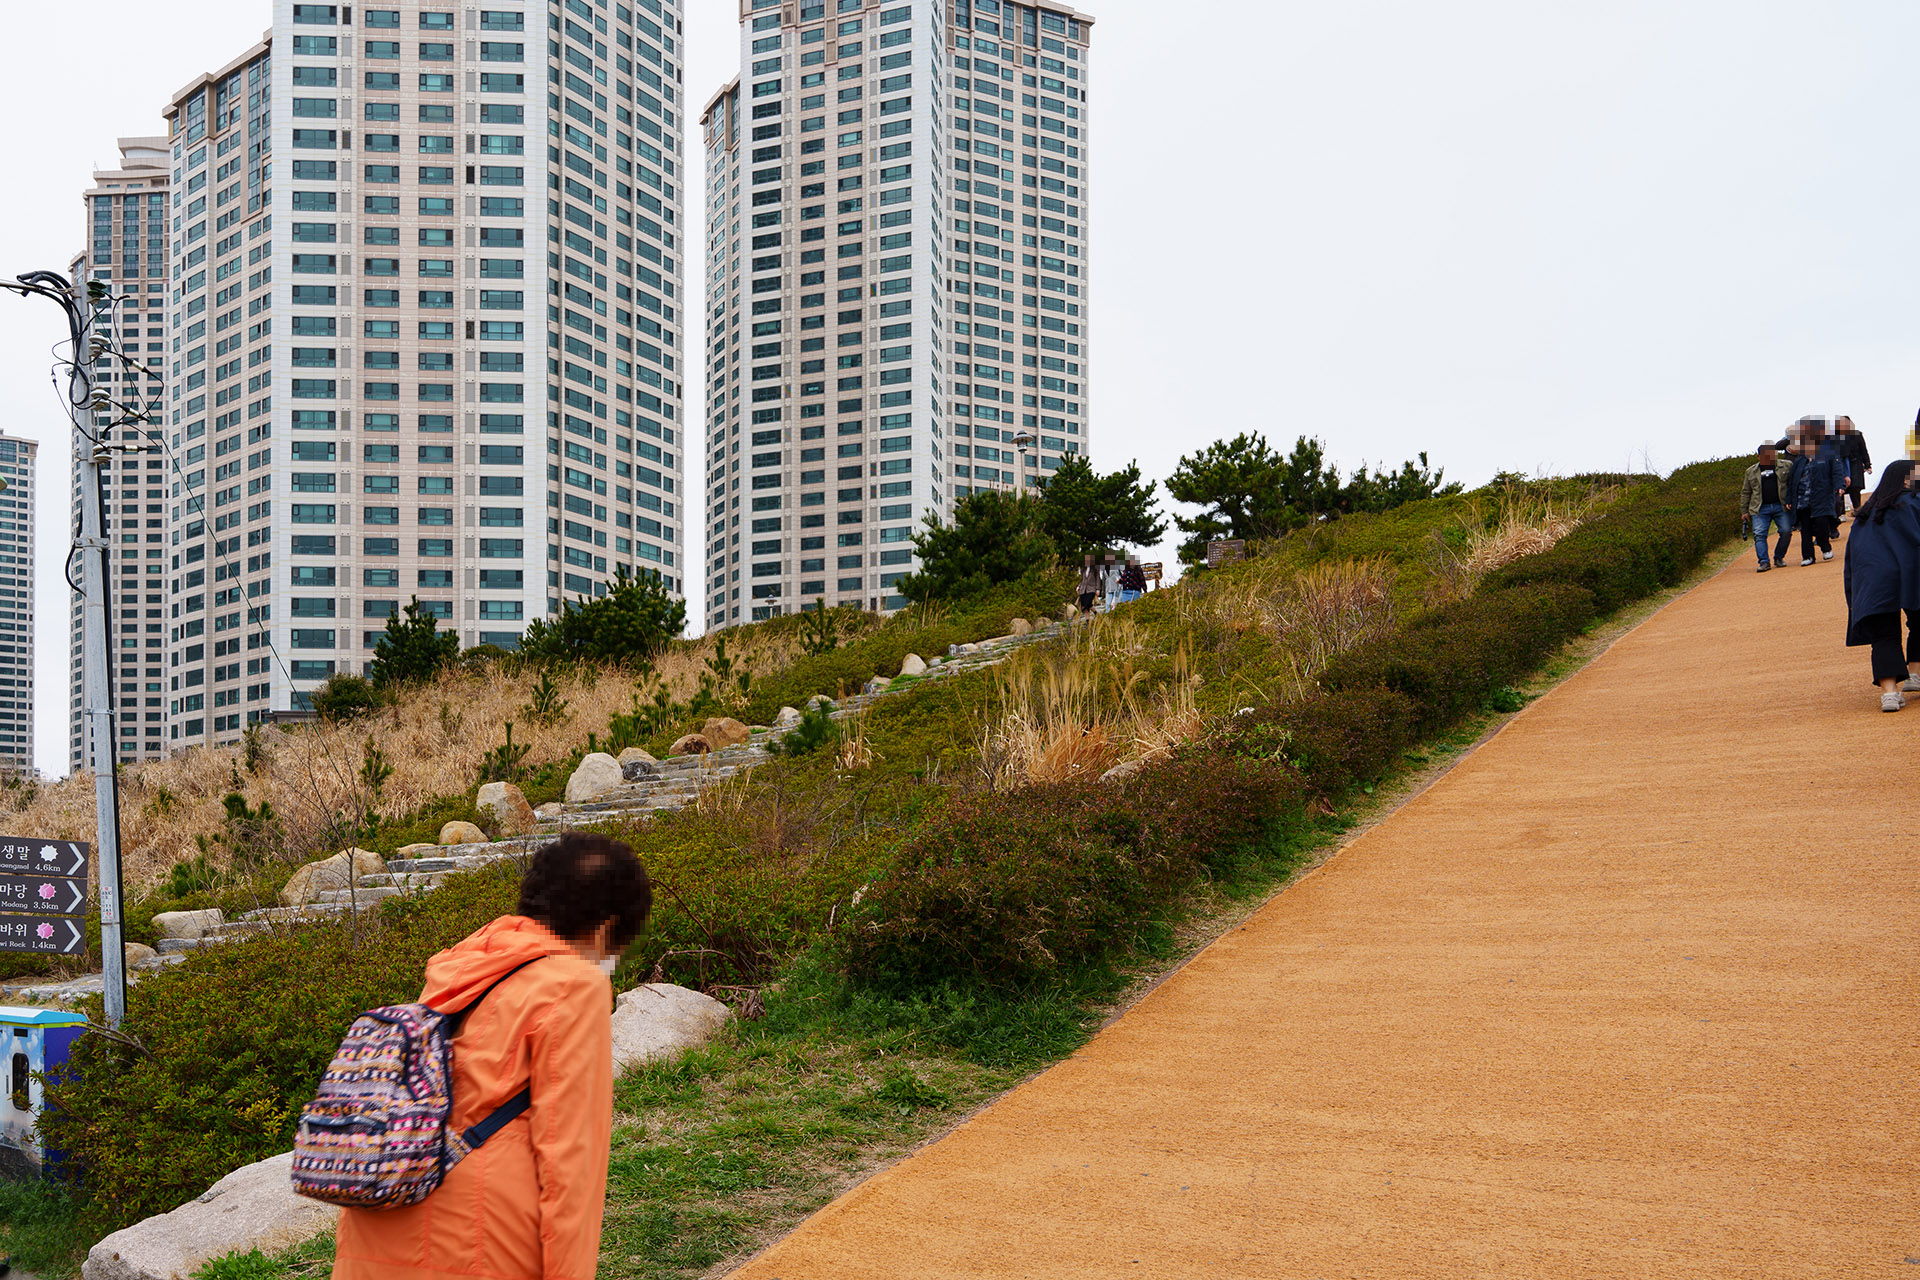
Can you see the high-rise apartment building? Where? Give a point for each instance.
(897, 284)
(18, 503)
(127, 223)
(422, 337)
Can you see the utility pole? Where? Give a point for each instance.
(91, 445)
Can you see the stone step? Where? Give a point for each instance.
(461, 862)
(404, 880)
(269, 916)
(362, 898)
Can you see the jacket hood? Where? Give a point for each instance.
(457, 976)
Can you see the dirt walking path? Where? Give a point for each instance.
(1630, 992)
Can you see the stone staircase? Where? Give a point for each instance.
(671, 784)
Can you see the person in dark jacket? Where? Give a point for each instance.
(1819, 478)
(1853, 447)
(1882, 580)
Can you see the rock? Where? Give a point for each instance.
(507, 805)
(137, 952)
(691, 744)
(418, 849)
(1019, 627)
(819, 700)
(913, 665)
(632, 754)
(877, 685)
(310, 881)
(189, 924)
(1121, 772)
(961, 650)
(659, 1020)
(549, 811)
(598, 774)
(253, 1207)
(788, 717)
(1068, 612)
(462, 833)
(636, 770)
(722, 732)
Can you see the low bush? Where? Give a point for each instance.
(1009, 889)
(232, 1042)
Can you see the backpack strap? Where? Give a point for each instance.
(513, 1107)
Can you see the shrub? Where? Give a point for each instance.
(632, 622)
(1014, 888)
(994, 538)
(815, 730)
(233, 1043)
(345, 697)
(1334, 740)
(412, 648)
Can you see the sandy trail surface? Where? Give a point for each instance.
(1629, 992)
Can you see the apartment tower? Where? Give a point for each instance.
(18, 504)
(127, 223)
(897, 283)
(423, 336)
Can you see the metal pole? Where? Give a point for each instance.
(96, 674)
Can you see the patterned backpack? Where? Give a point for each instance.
(376, 1136)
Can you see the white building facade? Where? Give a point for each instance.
(897, 284)
(127, 251)
(423, 336)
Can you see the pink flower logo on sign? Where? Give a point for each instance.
(45, 931)
(46, 892)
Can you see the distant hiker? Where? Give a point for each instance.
(1882, 581)
(1133, 581)
(1763, 503)
(1089, 584)
(1852, 446)
(527, 1203)
(1819, 478)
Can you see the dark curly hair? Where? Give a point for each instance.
(581, 881)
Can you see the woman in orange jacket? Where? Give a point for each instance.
(527, 1204)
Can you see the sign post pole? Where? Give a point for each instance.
(89, 447)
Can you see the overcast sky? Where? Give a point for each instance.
(1522, 237)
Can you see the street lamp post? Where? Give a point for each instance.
(92, 445)
(1024, 442)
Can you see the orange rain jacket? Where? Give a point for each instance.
(528, 1203)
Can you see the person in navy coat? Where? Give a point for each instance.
(1882, 580)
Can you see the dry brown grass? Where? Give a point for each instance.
(1523, 522)
(435, 739)
(1077, 706)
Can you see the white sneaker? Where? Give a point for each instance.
(1910, 685)
(1806, 562)
(1892, 701)
(1826, 555)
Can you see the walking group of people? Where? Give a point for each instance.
(1111, 582)
(1804, 481)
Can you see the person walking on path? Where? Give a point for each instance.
(1089, 584)
(528, 1203)
(1853, 447)
(1882, 581)
(1819, 478)
(1133, 581)
(1763, 504)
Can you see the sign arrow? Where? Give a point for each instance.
(79, 897)
(79, 853)
(74, 943)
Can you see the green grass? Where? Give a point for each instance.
(42, 1229)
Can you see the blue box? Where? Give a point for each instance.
(37, 1041)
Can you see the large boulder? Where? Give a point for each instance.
(877, 685)
(418, 849)
(660, 1020)
(139, 953)
(507, 805)
(598, 774)
(1019, 627)
(640, 754)
(689, 744)
(913, 665)
(191, 925)
(253, 1207)
(458, 832)
(788, 717)
(722, 732)
(314, 879)
(549, 811)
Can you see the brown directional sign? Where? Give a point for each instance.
(1225, 551)
(1151, 571)
(43, 894)
(51, 935)
(27, 855)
